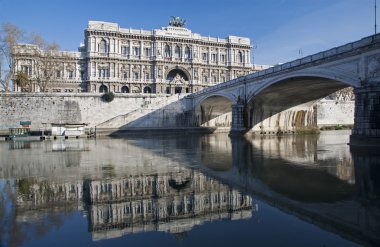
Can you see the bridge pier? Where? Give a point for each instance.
(238, 126)
(367, 116)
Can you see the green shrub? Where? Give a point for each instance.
(108, 97)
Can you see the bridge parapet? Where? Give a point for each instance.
(308, 61)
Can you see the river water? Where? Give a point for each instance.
(190, 190)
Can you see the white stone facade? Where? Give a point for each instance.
(167, 60)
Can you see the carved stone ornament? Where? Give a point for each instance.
(177, 80)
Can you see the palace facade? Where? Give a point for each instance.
(169, 60)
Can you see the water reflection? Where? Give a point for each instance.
(138, 192)
(172, 184)
(173, 202)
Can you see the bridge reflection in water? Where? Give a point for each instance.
(173, 183)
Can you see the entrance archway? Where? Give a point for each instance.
(147, 90)
(103, 89)
(177, 74)
(125, 89)
(179, 81)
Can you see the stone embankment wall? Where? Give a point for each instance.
(333, 113)
(70, 108)
(151, 111)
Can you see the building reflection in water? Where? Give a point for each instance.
(173, 202)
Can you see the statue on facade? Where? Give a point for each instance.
(177, 22)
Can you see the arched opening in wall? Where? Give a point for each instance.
(167, 52)
(124, 89)
(287, 104)
(103, 89)
(103, 46)
(214, 111)
(178, 80)
(240, 57)
(147, 89)
(178, 75)
(187, 53)
(177, 52)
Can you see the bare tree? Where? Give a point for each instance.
(10, 35)
(47, 62)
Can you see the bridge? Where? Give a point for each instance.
(258, 96)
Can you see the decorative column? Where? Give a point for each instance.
(367, 115)
(130, 48)
(182, 53)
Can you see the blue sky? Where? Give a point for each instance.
(278, 29)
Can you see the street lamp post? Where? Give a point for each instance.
(375, 16)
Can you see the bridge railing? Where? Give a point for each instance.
(367, 41)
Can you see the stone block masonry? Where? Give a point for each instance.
(151, 111)
(68, 108)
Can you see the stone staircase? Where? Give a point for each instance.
(124, 119)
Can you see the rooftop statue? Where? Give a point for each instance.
(177, 22)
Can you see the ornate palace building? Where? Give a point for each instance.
(169, 60)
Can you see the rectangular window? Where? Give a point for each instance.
(147, 52)
(70, 74)
(222, 58)
(204, 56)
(136, 51)
(25, 69)
(213, 57)
(124, 51)
(104, 73)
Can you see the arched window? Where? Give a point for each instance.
(103, 89)
(187, 52)
(240, 58)
(124, 89)
(177, 52)
(147, 90)
(103, 46)
(167, 51)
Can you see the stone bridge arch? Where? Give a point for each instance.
(213, 110)
(355, 64)
(350, 80)
(284, 92)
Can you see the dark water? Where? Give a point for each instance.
(190, 190)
